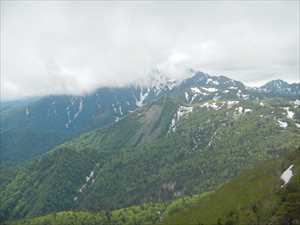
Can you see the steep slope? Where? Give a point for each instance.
(164, 150)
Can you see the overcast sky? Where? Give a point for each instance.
(74, 47)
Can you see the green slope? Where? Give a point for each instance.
(256, 196)
(140, 159)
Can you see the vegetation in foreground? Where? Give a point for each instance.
(254, 197)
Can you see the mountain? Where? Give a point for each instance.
(166, 149)
(138, 145)
(280, 87)
(34, 126)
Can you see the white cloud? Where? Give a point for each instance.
(73, 47)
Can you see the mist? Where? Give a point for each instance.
(50, 47)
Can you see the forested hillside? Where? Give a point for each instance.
(262, 195)
(162, 151)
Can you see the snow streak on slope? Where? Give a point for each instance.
(181, 111)
(287, 175)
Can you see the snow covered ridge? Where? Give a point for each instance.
(287, 175)
(181, 111)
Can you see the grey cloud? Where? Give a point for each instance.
(73, 47)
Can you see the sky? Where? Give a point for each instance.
(73, 47)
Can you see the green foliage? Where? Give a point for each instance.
(254, 197)
(139, 160)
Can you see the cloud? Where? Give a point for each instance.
(55, 47)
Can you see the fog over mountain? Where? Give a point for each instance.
(73, 47)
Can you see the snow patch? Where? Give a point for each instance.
(139, 103)
(195, 90)
(120, 110)
(247, 110)
(80, 108)
(282, 124)
(181, 111)
(193, 98)
(231, 103)
(210, 89)
(297, 125)
(114, 108)
(297, 102)
(245, 97)
(215, 82)
(290, 114)
(87, 179)
(208, 80)
(287, 175)
(186, 95)
(82, 188)
(212, 105)
(241, 95)
(240, 109)
(90, 176)
(198, 91)
(173, 125)
(68, 118)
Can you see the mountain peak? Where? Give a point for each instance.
(280, 87)
(276, 83)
